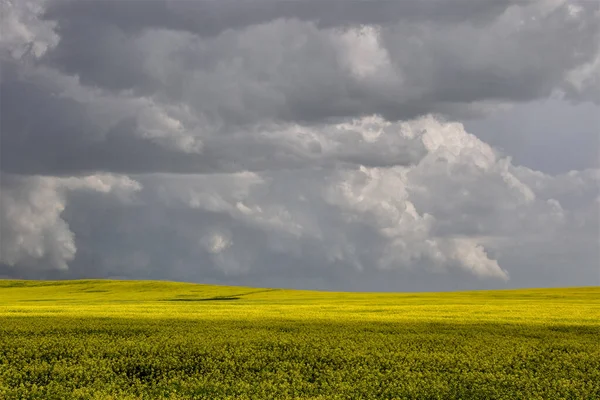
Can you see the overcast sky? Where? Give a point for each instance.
(406, 145)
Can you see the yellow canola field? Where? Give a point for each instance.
(148, 339)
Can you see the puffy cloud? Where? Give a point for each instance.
(522, 51)
(462, 210)
(23, 32)
(33, 233)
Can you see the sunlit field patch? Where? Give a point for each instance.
(146, 340)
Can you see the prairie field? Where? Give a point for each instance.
(101, 339)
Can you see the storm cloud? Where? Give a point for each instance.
(364, 145)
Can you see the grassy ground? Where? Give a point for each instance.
(130, 340)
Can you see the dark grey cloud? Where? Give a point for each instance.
(103, 97)
(49, 134)
(210, 18)
(297, 70)
(45, 133)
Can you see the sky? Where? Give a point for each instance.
(369, 145)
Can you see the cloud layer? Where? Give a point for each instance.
(303, 143)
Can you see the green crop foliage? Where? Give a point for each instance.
(98, 339)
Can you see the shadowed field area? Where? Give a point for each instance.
(142, 339)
